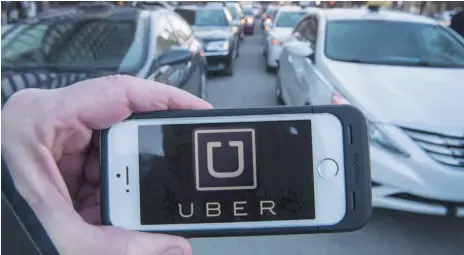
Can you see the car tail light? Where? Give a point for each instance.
(268, 20)
(243, 21)
(275, 42)
(338, 99)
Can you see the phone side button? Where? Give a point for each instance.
(327, 168)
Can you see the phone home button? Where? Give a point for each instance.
(327, 168)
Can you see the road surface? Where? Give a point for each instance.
(388, 232)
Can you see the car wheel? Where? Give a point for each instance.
(278, 93)
(230, 67)
(270, 69)
(203, 88)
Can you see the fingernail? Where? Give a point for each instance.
(174, 251)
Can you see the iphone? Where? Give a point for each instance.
(279, 170)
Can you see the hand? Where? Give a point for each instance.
(50, 145)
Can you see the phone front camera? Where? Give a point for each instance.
(118, 175)
(127, 190)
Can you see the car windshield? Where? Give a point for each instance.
(210, 17)
(271, 13)
(289, 19)
(393, 43)
(77, 45)
(248, 11)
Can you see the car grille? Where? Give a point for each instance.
(208, 40)
(446, 149)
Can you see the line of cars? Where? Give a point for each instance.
(176, 45)
(221, 27)
(406, 73)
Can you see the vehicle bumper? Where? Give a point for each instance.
(217, 61)
(249, 28)
(410, 185)
(273, 55)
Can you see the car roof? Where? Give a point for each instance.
(362, 14)
(196, 7)
(92, 11)
(273, 7)
(291, 9)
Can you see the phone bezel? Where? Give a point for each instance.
(122, 144)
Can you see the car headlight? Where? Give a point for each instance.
(249, 20)
(377, 136)
(218, 46)
(275, 41)
(380, 138)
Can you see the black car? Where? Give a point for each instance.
(214, 27)
(94, 40)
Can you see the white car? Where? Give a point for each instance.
(287, 17)
(406, 73)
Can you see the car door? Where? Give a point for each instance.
(318, 89)
(195, 67)
(293, 69)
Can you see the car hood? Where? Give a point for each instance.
(416, 97)
(212, 32)
(13, 81)
(281, 32)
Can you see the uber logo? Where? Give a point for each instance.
(225, 159)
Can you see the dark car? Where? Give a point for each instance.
(249, 19)
(221, 39)
(95, 40)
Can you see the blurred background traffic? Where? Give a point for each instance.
(401, 63)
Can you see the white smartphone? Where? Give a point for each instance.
(215, 174)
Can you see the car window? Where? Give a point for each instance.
(183, 30)
(81, 44)
(248, 11)
(313, 31)
(205, 17)
(166, 35)
(438, 42)
(271, 13)
(301, 28)
(289, 19)
(307, 30)
(393, 43)
(29, 38)
(309, 34)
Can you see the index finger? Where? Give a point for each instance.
(101, 102)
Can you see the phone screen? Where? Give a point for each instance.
(226, 172)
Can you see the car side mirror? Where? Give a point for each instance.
(174, 56)
(299, 48)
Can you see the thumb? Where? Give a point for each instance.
(139, 243)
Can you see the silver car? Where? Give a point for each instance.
(406, 73)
